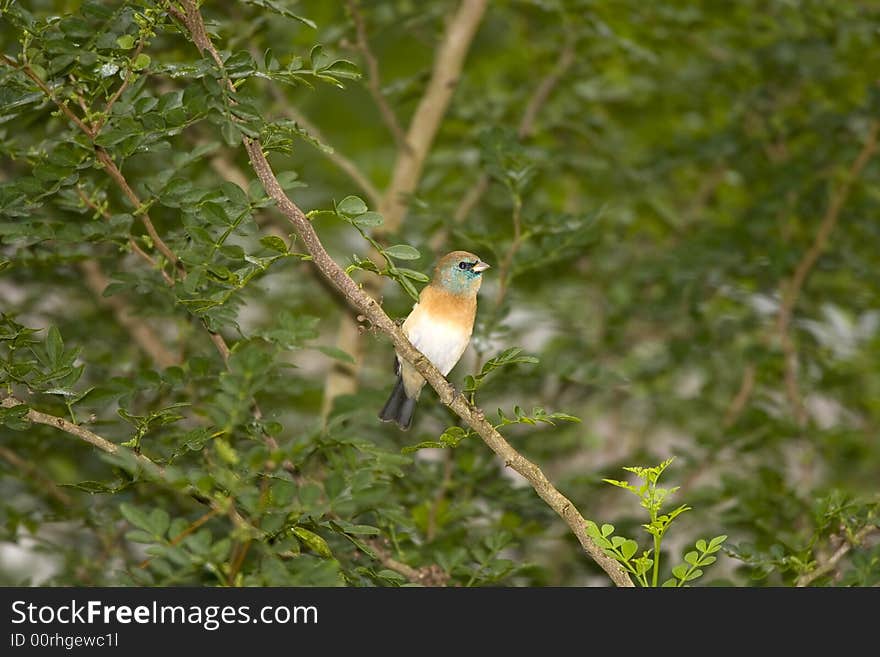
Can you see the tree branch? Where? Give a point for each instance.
(828, 566)
(143, 335)
(429, 113)
(370, 308)
(114, 172)
(472, 416)
(792, 290)
(432, 575)
(409, 163)
(149, 467)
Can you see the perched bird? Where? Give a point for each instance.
(439, 326)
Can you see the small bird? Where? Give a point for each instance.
(439, 326)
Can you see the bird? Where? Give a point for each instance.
(440, 326)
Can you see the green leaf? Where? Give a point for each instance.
(154, 523)
(15, 417)
(629, 548)
(680, 571)
(141, 62)
(715, 543)
(281, 10)
(351, 206)
(54, 346)
(314, 542)
(336, 353)
(126, 42)
(274, 243)
(692, 557)
(402, 252)
(368, 219)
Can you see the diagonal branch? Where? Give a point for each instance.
(143, 335)
(525, 129)
(828, 566)
(150, 468)
(472, 416)
(370, 308)
(429, 113)
(792, 290)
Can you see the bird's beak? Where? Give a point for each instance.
(480, 267)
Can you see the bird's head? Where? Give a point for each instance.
(459, 272)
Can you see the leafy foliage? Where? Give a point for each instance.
(646, 179)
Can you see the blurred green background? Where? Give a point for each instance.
(679, 200)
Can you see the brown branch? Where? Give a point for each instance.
(370, 308)
(429, 113)
(738, 403)
(410, 161)
(28, 71)
(472, 416)
(792, 290)
(143, 335)
(120, 180)
(374, 84)
(49, 486)
(828, 566)
(149, 467)
(525, 129)
(75, 430)
(504, 270)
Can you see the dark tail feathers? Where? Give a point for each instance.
(399, 408)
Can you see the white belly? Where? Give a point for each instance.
(441, 342)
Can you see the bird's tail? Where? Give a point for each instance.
(399, 408)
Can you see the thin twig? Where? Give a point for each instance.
(374, 81)
(423, 127)
(120, 180)
(792, 290)
(828, 566)
(432, 575)
(370, 308)
(28, 71)
(738, 403)
(143, 335)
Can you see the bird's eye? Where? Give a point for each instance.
(464, 265)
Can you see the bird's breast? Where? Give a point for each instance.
(442, 341)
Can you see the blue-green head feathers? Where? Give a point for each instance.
(459, 272)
